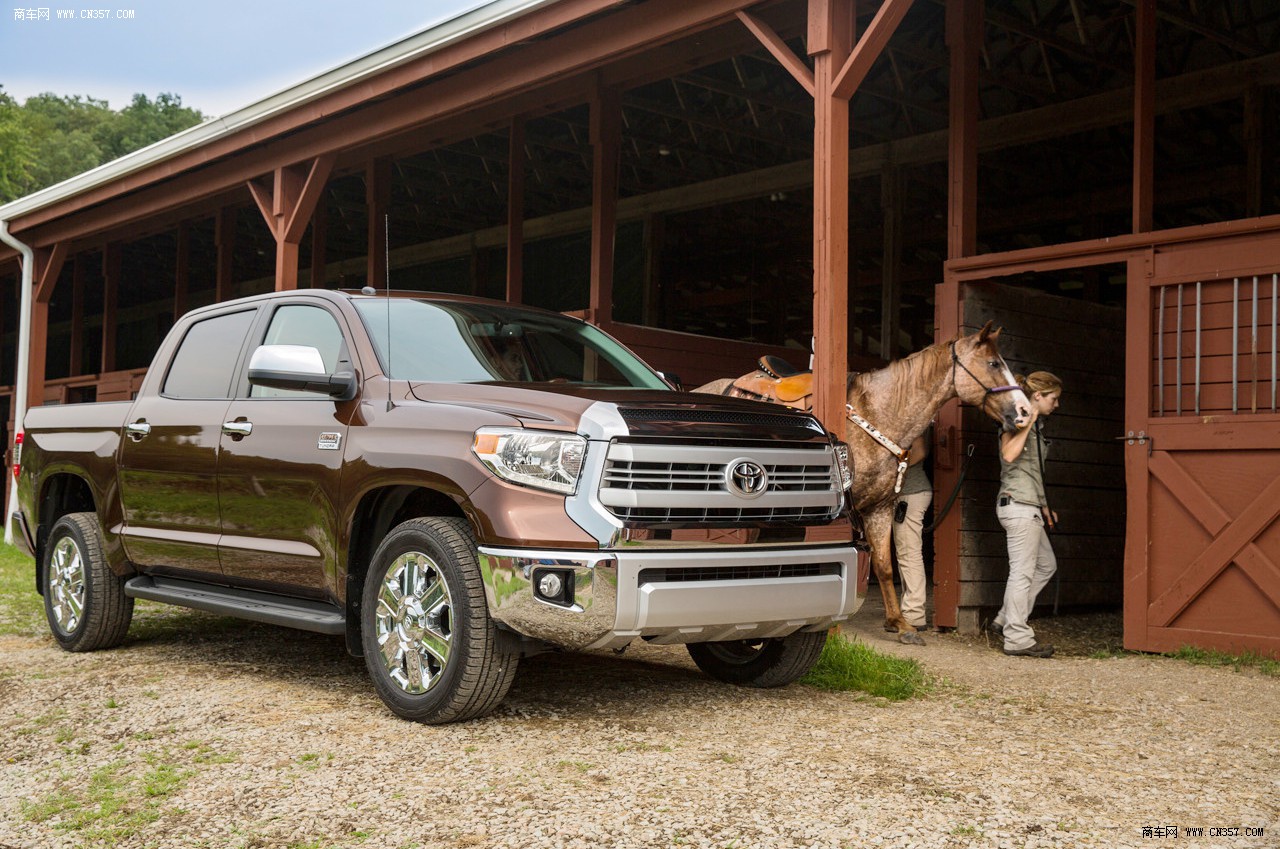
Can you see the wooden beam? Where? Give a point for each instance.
(947, 458)
(831, 24)
(377, 192)
(869, 47)
(224, 238)
(892, 189)
(111, 283)
(48, 268)
(287, 205)
(181, 271)
(606, 136)
(515, 212)
(964, 38)
(773, 42)
(1144, 117)
(77, 315)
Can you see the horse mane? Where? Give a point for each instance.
(904, 372)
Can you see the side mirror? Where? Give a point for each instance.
(301, 368)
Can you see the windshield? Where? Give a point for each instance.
(453, 342)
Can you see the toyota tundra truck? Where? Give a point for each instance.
(448, 482)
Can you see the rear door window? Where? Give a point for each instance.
(205, 362)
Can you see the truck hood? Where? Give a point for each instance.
(560, 406)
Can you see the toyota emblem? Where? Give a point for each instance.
(746, 478)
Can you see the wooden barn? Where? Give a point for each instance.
(716, 180)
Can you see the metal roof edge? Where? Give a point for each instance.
(433, 38)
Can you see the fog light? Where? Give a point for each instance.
(550, 585)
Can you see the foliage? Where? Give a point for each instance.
(51, 138)
(21, 607)
(1269, 666)
(853, 665)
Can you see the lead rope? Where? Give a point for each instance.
(903, 455)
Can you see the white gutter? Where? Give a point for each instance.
(24, 357)
(429, 40)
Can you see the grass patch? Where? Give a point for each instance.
(114, 806)
(853, 665)
(21, 607)
(1268, 666)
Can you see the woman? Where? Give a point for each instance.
(1024, 513)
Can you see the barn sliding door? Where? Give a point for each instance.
(1202, 466)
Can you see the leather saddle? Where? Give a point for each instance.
(776, 381)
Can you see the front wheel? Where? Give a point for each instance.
(764, 663)
(84, 600)
(429, 644)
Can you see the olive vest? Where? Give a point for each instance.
(1021, 479)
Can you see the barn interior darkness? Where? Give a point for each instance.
(714, 232)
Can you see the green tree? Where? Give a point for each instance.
(51, 138)
(16, 156)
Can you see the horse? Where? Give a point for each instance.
(898, 402)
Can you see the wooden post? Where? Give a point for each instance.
(111, 262)
(964, 37)
(224, 237)
(1144, 117)
(515, 212)
(831, 24)
(319, 237)
(287, 204)
(77, 315)
(47, 269)
(182, 270)
(606, 136)
(377, 199)
(948, 437)
(891, 203)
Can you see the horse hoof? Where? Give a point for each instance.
(911, 638)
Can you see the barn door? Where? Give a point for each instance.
(1202, 551)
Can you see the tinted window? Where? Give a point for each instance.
(206, 359)
(452, 342)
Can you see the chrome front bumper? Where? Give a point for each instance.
(614, 597)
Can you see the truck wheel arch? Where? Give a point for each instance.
(377, 513)
(62, 493)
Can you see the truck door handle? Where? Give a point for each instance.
(137, 430)
(237, 430)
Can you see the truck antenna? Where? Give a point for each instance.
(386, 273)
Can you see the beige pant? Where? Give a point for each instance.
(907, 539)
(1031, 565)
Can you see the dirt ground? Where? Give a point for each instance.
(206, 732)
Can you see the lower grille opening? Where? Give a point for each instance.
(738, 573)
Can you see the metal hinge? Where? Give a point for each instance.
(1141, 438)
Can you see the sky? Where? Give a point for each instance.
(217, 55)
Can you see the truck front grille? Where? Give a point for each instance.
(709, 477)
(664, 484)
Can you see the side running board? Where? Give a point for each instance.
(244, 604)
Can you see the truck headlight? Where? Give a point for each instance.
(536, 458)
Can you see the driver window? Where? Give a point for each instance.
(299, 324)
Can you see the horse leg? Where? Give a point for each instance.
(879, 535)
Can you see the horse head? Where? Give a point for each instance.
(982, 378)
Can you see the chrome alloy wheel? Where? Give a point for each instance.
(66, 585)
(414, 622)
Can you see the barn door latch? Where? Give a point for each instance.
(1141, 438)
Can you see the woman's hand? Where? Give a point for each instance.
(1050, 517)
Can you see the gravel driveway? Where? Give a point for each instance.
(205, 732)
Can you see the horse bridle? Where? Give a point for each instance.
(989, 390)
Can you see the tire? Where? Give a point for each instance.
(84, 600)
(761, 663)
(429, 644)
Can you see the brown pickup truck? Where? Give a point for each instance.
(449, 482)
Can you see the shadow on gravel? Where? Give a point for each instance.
(639, 682)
